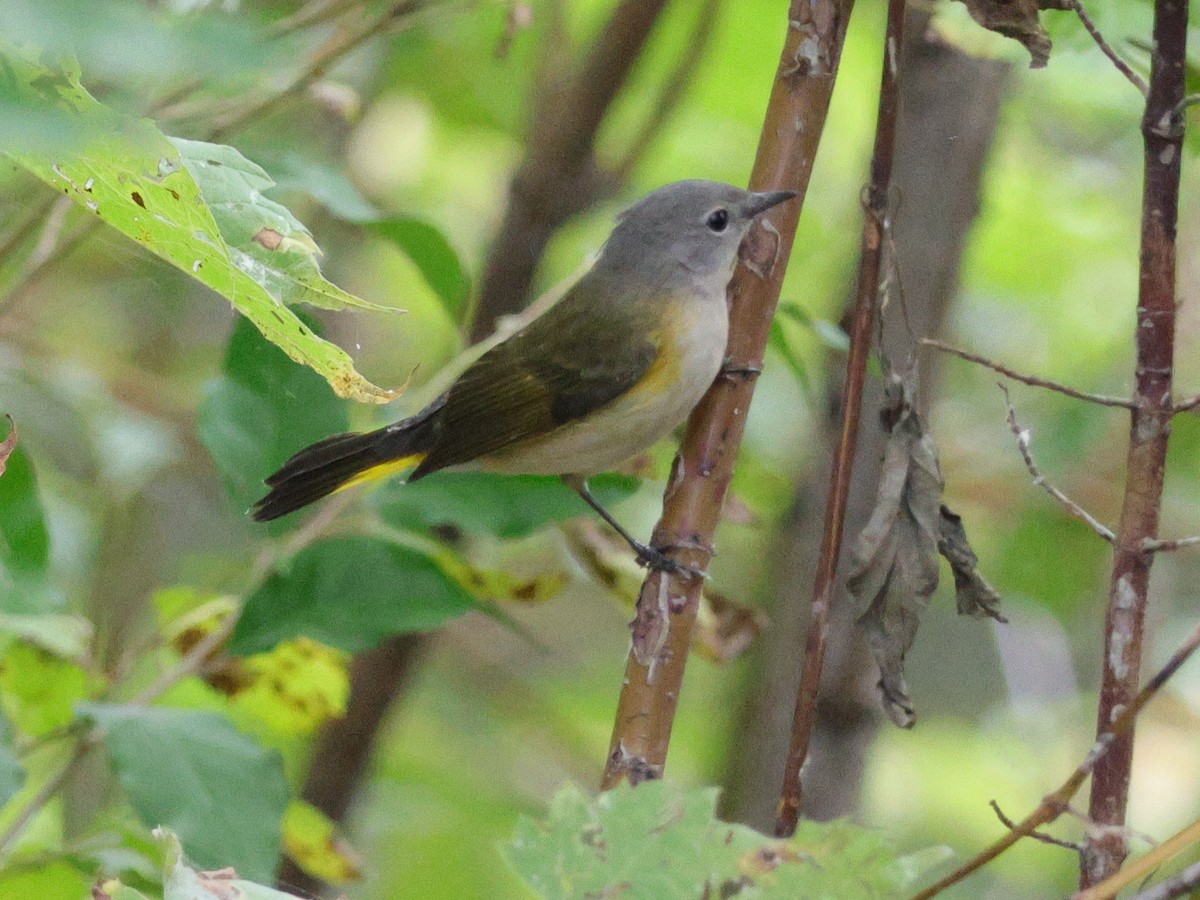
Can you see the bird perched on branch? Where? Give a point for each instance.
(611, 368)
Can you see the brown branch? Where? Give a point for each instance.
(1181, 885)
(1149, 432)
(861, 331)
(791, 131)
(1143, 866)
(1115, 58)
(1031, 380)
(1036, 835)
(1039, 479)
(559, 176)
(1056, 803)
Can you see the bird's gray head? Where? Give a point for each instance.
(690, 227)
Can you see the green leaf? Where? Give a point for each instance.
(38, 691)
(263, 410)
(264, 239)
(657, 841)
(428, 248)
(24, 541)
(198, 775)
(779, 342)
(506, 506)
(831, 335)
(349, 593)
(133, 178)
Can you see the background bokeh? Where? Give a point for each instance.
(105, 357)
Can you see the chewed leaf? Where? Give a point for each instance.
(975, 596)
(312, 841)
(658, 841)
(134, 179)
(266, 241)
(895, 559)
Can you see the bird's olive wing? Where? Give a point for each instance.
(564, 365)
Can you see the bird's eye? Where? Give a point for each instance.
(717, 220)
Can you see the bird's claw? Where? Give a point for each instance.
(657, 561)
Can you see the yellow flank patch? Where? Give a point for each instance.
(383, 470)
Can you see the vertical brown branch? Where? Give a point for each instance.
(1149, 432)
(861, 334)
(559, 176)
(791, 131)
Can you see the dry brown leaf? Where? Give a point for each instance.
(1017, 19)
(975, 596)
(725, 628)
(894, 568)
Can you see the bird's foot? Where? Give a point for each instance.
(657, 561)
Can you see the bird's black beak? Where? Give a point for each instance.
(761, 202)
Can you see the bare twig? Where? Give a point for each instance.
(1031, 380)
(1036, 835)
(1022, 436)
(334, 48)
(1149, 432)
(1142, 867)
(1181, 885)
(1187, 404)
(1053, 805)
(1154, 545)
(45, 793)
(861, 333)
(1122, 66)
(692, 503)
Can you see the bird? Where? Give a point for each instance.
(612, 367)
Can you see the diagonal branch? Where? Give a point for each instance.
(1053, 805)
(791, 131)
(1106, 48)
(861, 331)
(1022, 436)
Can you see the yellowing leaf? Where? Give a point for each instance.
(295, 688)
(135, 179)
(38, 691)
(312, 841)
(498, 584)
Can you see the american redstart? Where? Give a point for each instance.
(612, 367)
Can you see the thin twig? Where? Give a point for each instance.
(1142, 866)
(1053, 805)
(1022, 436)
(1181, 885)
(46, 793)
(1122, 66)
(1187, 404)
(1031, 380)
(861, 334)
(1154, 545)
(1036, 835)
(333, 49)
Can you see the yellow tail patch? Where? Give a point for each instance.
(383, 470)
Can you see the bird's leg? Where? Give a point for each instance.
(648, 556)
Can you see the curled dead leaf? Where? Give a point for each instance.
(975, 596)
(1017, 19)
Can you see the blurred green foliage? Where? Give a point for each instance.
(148, 415)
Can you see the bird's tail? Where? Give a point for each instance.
(345, 460)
